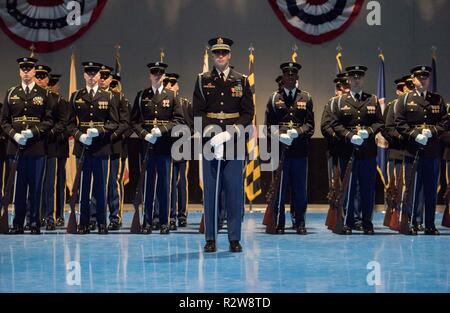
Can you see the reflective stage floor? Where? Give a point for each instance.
(318, 262)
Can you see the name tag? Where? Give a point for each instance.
(345, 108)
(280, 104)
(412, 103)
(209, 86)
(80, 101)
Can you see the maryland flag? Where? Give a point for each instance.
(71, 164)
(253, 168)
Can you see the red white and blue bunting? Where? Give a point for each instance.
(43, 23)
(316, 21)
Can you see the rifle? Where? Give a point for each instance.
(4, 219)
(339, 224)
(446, 217)
(391, 193)
(333, 197)
(72, 224)
(272, 196)
(404, 219)
(136, 224)
(395, 216)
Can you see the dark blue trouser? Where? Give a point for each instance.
(30, 178)
(426, 178)
(364, 175)
(179, 190)
(95, 169)
(2, 179)
(157, 182)
(295, 174)
(54, 188)
(114, 188)
(230, 180)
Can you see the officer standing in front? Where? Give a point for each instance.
(292, 110)
(93, 119)
(222, 98)
(421, 119)
(26, 119)
(356, 121)
(155, 112)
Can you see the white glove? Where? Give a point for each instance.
(156, 132)
(218, 152)
(363, 134)
(292, 133)
(357, 140)
(149, 138)
(92, 132)
(27, 133)
(220, 138)
(427, 133)
(286, 139)
(422, 139)
(86, 140)
(20, 139)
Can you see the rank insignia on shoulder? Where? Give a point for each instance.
(38, 101)
(15, 97)
(209, 86)
(103, 105)
(301, 105)
(371, 109)
(345, 108)
(166, 103)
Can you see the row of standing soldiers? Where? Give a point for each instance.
(415, 126)
(37, 123)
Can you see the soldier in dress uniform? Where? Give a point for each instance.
(57, 153)
(292, 110)
(26, 119)
(115, 182)
(94, 118)
(223, 99)
(421, 119)
(356, 121)
(61, 157)
(155, 112)
(179, 196)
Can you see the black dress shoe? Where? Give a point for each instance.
(114, 225)
(164, 230)
(346, 230)
(419, 228)
(210, 246)
(280, 230)
(83, 230)
(301, 230)
(92, 225)
(16, 230)
(235, 246)
(60, 222)
(182, 223)
(43, 222)
(35, 230)
(50, 225)
(358, 227)
(412, 231)
(102, 229)
(27, 227)
(156, 226)
(369, 231)
(173, 226)
(146, 230)
(432, 231)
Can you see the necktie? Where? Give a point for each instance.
(222, 75)
(290, 95)
(27, 90)
(422, 95)
(91, 94)
(357, 96)
(157, 92)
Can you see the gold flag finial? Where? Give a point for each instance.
(162, 55)
(32, 49)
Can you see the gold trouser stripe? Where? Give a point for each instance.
(118, 187)
(187, 189)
